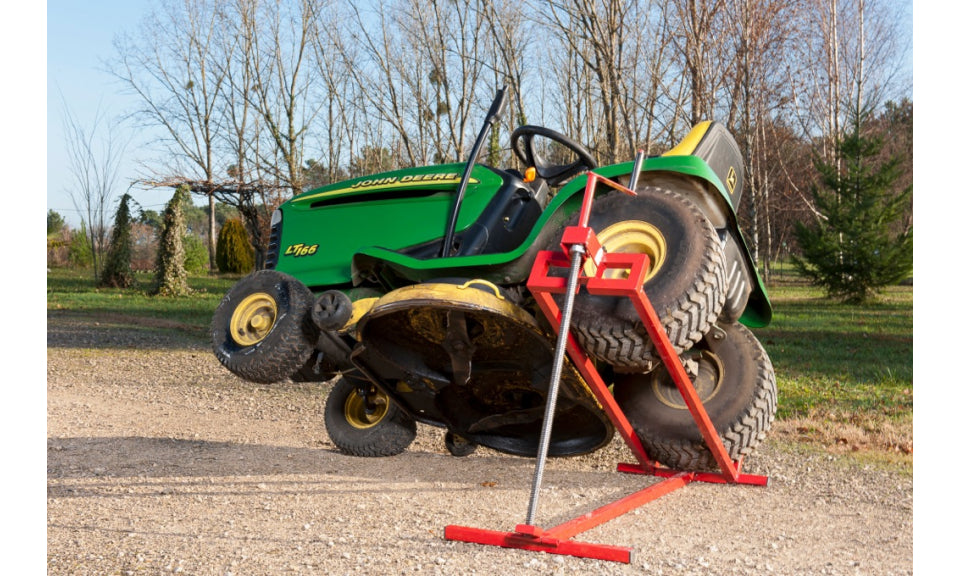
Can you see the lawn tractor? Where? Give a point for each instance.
(408, 291)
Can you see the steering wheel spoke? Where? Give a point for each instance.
(523, 142)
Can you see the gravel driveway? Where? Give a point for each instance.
(159, 461)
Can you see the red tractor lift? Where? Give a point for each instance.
(579, 242)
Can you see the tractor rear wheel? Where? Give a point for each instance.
(363, 421)
(261, 330)
(685, 281)
(736, 384)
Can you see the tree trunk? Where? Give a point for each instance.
(212, 234)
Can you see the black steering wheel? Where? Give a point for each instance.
(552, 173)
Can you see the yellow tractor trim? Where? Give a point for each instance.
(459, 295)
(689, 144)
(360, 308)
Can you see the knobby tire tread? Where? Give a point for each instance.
(740, 436)
(622, 342)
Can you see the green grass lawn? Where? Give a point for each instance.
(74, 291)
(844, 373)
(846, 358)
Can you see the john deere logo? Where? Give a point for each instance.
(731, 180)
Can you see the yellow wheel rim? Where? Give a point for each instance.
(631, 236)
(355, 410)
(709, 380)
(253, 319)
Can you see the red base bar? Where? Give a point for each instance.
(709, 477)
(557, 540)
(543, 543)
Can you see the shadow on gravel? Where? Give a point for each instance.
(155, 457)
(65, 330)
(157, 467)
(141, 467)
(143, 457)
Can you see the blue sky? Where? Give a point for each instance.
(79, 37)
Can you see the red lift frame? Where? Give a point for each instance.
(557, 540)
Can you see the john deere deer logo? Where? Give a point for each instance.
(731, 180)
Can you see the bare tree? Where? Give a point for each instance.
(656, 88)
(419, 64)
(248, 90)
(512, 37)
(171, 63)
(232, 95)
(283, 75)
(698, 33)
(241, 186)
(854, 54)
(339, 132)
(94, 155)
(599, 34)
(762, 36)
(576, 108)
(448, 36)
(371, 54)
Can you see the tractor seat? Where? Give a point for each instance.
(713, 143)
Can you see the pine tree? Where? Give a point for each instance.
(196, 256)
(171, 279)
(234, 251)
(80, 254)
(55, 223)
(117, 271)
(860, 244)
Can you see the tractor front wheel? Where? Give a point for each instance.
(363, 421)
(261, 330)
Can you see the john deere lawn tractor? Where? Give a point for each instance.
(407, 291)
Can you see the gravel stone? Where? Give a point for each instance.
(160, 461)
